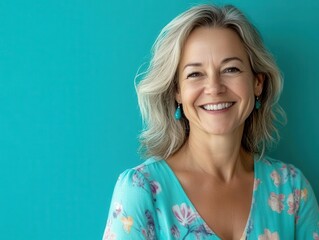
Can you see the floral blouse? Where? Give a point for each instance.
(150, 203)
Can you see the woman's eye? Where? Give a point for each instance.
(231, 70)
(194, 75)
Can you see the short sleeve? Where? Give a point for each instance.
(307, 219)
(132, 213)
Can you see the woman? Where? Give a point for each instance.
(209, 101)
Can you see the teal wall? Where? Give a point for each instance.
(68, 112)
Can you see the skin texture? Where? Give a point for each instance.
(215, 172)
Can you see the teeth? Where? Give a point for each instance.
(219, 106)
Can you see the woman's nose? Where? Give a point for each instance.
(214, 85)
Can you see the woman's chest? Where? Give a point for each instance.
(224, 208)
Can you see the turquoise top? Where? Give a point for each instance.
(150, 203)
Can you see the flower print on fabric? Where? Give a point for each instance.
(138, 180)
(202, 230)
(275, 177)
(119, 214)
(304, 194)
(292, 171)
(285, 172)
(149, 231)
(118, 208)
(282, 175)
(248, 230)
(315, 236)
(257, 182)
(155, 187)
(175, 232)
(293, 201)
(268, 235)
(127, 223)
(275, 201)
(250, 227)
(186, 217)
(108, 235)
(184, 214)
(141, 169)
(140, 177)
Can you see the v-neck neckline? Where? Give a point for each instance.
(200, 218)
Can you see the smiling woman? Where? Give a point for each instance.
(215, 72)
(208, 101)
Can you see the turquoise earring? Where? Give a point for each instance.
(178, 112)
(257, 103)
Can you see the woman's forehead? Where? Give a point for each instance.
(212, 43)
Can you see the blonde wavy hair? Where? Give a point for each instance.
(162, 135)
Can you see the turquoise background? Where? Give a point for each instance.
(69, 118)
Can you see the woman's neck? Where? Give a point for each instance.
(218, 155)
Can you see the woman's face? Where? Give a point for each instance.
(217, 87)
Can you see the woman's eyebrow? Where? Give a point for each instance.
(192, 65)
(226, 60)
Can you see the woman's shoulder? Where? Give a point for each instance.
(137, 183)
(271, 162)
(142, 173)
(281, 172)
(132, 214)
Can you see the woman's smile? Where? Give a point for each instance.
(217, 106)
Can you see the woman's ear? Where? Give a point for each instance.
(178, 97)
(259, 83)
